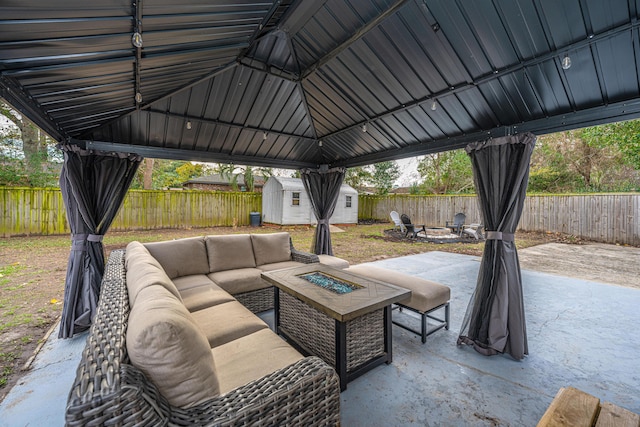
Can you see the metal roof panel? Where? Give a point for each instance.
(301, 72)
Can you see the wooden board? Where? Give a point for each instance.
(615, 416)
(571, 407)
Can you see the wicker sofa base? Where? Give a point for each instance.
(257, 301)
(108, 390)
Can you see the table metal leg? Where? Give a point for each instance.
(276, 309)
(341, 353)
(388, 342)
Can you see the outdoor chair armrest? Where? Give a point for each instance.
(300, 256)
(305, 257)
(417, 229)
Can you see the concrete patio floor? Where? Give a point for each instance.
(581, 333)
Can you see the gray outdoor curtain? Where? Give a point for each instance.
(93, 187)
(323, 188)
(495, 321)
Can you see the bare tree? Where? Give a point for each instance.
(147, 179)
(34, 140)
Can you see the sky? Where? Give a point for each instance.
(408, 171)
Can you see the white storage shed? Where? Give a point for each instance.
(285, 202)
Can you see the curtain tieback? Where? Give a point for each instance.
(323, 222)
(87, 237)
(499, 235)
(78, 240)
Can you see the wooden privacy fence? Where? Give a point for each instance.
(432, 211)
(41, 211)
(609, 218)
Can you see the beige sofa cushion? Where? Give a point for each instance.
(205, 296)
(280, 265)
(270, 248)
(227, 322)
(144, 270)
(229, 252)
(193, 281)
(239, 281)
(251, 357)
(136, 249)
(181, 257)
(164, 342)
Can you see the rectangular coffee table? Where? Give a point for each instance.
(350, 331)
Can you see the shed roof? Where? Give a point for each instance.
(295, 184)
(294, 83)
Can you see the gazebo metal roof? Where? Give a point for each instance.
(295, 83)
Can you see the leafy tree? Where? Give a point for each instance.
(231, 172)
(166, 174)
(589, 159)
(357, 177)
(414, 189)
(447, 172)
(383, 176)
(249, 179)
(549, 180)
(623, 135)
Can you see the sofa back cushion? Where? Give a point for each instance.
(270, 248)
(229, 252)
(181, 257)
(144, 270)
(164, 342)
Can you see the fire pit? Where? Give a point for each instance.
(437, 231)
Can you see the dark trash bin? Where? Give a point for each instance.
(254, 218)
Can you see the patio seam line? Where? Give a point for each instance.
(28, 365)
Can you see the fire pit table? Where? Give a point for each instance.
(343, 318)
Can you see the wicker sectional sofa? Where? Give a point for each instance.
(175, 341)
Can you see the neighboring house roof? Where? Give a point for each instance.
(218, 179)
(401, 190)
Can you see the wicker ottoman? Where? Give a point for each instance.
(333, 261)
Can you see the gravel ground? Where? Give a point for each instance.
(598, 262)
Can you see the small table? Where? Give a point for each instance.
(349, 331)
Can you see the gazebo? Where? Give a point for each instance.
(317, 86)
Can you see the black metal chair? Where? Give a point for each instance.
(458, 223)
(411, 228)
